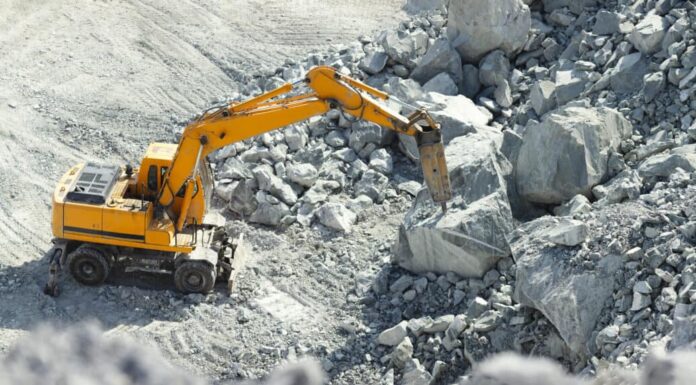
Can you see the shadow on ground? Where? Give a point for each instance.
(125, 299)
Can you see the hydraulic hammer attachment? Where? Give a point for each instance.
(432, 156)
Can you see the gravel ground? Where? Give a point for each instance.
(100, 80)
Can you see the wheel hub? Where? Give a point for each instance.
(87, 269)
(194, 280)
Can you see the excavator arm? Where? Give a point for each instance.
(329, 89)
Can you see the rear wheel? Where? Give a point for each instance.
(88, 265)
(194, 277)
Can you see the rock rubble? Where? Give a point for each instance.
(570, 141)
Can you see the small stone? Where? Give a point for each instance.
(374, 62)
(606, 23)
(345, 154)
(579, 204)
(441, 83)
(394, 335)
(439, 324)
(373, 184)
(569, 85)
(402, 353)
(568, 233)
(458, 297)
(381, 161)
(635, 254)
(608, 335)
(400, 71)
(303, 174)
(503, 94)
(401, 284)
(336, 216)
(456, 327)
(411, 187)
(409, 295)
(494, 68)
(543, 97)
(648, 34)
(640, 301)
(477, 307)
(488, 321)
(642, 287)
(653, 84)
(415, 374)
(336, 138)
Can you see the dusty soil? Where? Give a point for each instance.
(98, 80)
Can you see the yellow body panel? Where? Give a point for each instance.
(121, 221)
(82, 216)
(129, 218)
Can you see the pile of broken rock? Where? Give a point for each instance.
(569, 131)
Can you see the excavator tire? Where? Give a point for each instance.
(88, 265)
(195, 277)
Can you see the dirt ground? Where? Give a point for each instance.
(99, 80)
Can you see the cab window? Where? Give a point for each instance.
(163, 173)
(152, 178)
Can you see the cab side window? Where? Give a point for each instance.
(152, 178)
(163, 173)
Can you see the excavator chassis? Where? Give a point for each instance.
(217, 257)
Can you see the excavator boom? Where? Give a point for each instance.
(328, 89)
(152, 219)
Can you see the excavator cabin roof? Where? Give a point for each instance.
(161, 151)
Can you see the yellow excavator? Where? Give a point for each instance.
(152, 218)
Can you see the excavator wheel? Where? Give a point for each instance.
(194, 277)
(88, 265)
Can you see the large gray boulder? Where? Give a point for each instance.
(269, 212)
(457, 114)
(543, 96)
(494, 68)
(627, 76)
(663, 165)
(374, 62)
(567, 152)
(470, 237)
(442, 83)
(648, 34)
(440, 57)
(547, 280)
(476, 27)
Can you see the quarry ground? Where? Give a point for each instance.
(99, 81)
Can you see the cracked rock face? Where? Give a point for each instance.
(567, 153)
(469, 238)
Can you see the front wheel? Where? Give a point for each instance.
(194, 277)
(88, 266)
